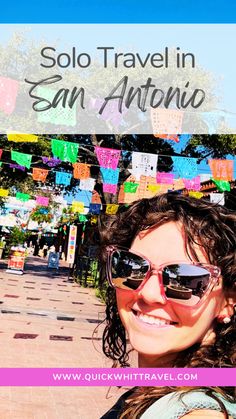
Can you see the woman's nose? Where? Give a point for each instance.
(152, 291)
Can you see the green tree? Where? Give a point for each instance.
(216, 146)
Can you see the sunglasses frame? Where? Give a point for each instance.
(214, 271)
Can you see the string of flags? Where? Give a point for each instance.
(165, 122)
(144, 181)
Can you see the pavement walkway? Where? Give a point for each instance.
(47, 321)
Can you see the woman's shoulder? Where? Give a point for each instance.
(179, 404)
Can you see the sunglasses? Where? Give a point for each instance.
(185, 283)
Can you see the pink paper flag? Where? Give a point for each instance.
(193, 184)
(107, 187)
(166, 178)
(8, 94)
(42, 200)
(107, 157)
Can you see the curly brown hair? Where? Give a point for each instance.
(209, 225)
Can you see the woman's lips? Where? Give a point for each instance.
(152, 320)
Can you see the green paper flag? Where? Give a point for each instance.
(21, 158)
(130, 187)
(65, 150)
(22, 196)
(0, 163)
(59, 115)
(222, 185)
(82, 218)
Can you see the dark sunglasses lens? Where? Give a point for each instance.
(185, 283)
(127, 269)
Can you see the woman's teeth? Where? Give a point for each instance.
(152, 320)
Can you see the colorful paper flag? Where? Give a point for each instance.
(112, 209)
(217, 198)
(78, 195)
(42, 200)
(130, 187)
(222, 169)
(40, 174)
(77, 206)
(87, 184)
(22, 196)
(8, 93)
(222, 185)
(195, 194)
(153, 188)
(63, 178)
(167, 123)
(17, 166)
(59, 115)
(186, 167)
(81, 171)
(4, 192)
(94, 208)
(109, 188)
(165, 178)
(193, 184)
(21, 158)
(110, 176)
(96, 198)
(144, 164)
(22, 138)
(51, 161)
(65, 150)
(110, 112)
(107, 157)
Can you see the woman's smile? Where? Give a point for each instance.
(151, 320)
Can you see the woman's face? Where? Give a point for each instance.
(179, 327)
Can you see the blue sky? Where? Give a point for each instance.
(122, 11)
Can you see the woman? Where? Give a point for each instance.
(171, 267)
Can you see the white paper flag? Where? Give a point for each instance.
(217, 198)
(87, 184)
(144, 164)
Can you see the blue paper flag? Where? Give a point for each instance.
(63, 178)
(79, 196)
(185, 167)
(110, 176)
(94, 208)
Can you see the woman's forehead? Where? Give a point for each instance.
(165, 243)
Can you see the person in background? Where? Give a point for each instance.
(45, 250)
(171, 270)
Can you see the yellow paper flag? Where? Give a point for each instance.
(197, 195)
(22, 138)
(112, 209)
(4, 192)
(77, 207)
(153, 188)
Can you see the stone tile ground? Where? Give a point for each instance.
(41, 302)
